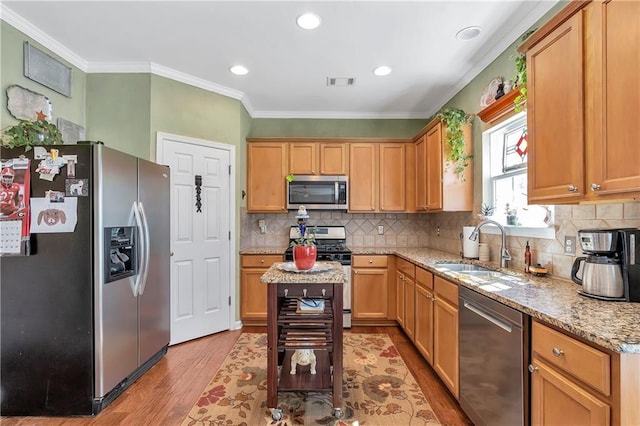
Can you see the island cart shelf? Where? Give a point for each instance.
(289, 330)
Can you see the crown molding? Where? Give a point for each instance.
(339, 115)
(21, 24)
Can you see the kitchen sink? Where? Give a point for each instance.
(463, 267)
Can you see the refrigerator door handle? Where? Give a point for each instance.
(141, 249)
(145, 249)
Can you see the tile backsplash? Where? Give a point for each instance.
(442, 231)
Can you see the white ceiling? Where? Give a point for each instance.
(197, 41)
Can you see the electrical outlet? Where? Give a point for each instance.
(263, 226)
(380, 229)
(570, 245)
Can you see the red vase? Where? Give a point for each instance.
(304, 257)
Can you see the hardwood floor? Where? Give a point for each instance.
(166, 393)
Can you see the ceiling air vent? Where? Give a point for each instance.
(340, 81)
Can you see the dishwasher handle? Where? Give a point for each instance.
(486, 315)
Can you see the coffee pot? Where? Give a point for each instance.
(610, 270)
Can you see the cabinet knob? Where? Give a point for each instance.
(261, 260)
(370, 260)
(557, 352)
(572, 188)
(532, 369)
(355, 271)
(595, 187)
(313, 172)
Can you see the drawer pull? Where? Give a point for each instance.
(324, 292)
(304, 292)
(532, 369)
(261, 260)
(557, 352)
(370, 260)
(286, 291)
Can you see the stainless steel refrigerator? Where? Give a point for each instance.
(87, 312)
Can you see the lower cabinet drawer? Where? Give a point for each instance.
(582, 361)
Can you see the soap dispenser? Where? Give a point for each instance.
(527, 258)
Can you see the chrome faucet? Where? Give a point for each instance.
(504, 253)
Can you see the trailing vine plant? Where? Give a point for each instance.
(28, 133)
(520, 79)
(454, 119)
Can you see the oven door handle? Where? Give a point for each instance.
(486, 315)
(336, 192)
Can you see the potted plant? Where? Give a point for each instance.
(454, 119)
(304, 247)
(28, 133)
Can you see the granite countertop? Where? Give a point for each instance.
(612, 325)
(263, 250)
(325, 272)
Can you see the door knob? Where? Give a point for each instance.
(171, 253)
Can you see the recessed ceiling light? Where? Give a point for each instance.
(308, 21)
(239, 70)
(468, 33)
(382, 70)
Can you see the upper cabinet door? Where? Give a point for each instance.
(434, 168)
(303, 158)
(363, 177)
(392, 177)
(266, 172)
(421, 173)
(614, 165)
(555, 115)
(333, 159)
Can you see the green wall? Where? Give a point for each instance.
(118, 111)
(12, 73)
(335, 128)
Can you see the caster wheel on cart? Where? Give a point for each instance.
(337, 413)
(276, 414)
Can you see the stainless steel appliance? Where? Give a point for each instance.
(87, 312)
(494, 348)
(318, 192)
(611, 271)
(330, 246)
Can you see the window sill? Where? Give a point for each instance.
(521, 231)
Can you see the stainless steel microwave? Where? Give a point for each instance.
(318, 192)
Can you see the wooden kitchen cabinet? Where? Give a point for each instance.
(377, 177)
(583, 90)
(423, 335)
(370, 287)
(266, 173)
(318, 158)
(437, 186)
(405, 296)
(570, 380)
(445, 334)
(253, 293)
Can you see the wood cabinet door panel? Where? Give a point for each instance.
(363, 177)
(421, 173)
(400, 298)
(424, 322)
(445, 344)
(266, 171)
(409, 307)
(556, 400)
(333, 159)
(253, 295)
(434, 167)
(555, 115)
(616, 153)
(303, 158)
(370, 293)
(392, 177)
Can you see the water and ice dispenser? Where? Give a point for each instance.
(120, 253)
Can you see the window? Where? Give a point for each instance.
(504, 170)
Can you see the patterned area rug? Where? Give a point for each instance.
(378, 389)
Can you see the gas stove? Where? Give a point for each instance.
(330, 244)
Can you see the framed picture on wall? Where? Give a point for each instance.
(46, 70)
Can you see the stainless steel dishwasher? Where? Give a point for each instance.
(494, 355)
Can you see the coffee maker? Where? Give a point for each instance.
(611, 271)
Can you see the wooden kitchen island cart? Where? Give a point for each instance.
(293, 330)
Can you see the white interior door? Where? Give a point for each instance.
(201, 238)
